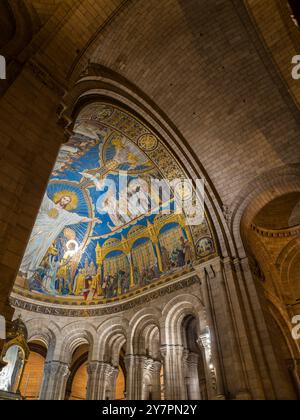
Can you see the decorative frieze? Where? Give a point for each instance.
(17, 302)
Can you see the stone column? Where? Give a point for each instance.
(156, 386)
(56, 374)
(192, 377)
(113, 376)
(203, 389)
(269, 379)
(152, 369)
(147, 379)
(173, 359)
(210, 369)
(98, 380)
(214, 351)
(218, 301)
(94, 370)
(135, 371)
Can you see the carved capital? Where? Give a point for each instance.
(204, 342)
(172, 350)
(56, 368)
(156, 366)
(93, 367)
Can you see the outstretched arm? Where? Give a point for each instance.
(73, 218)
(88, 219)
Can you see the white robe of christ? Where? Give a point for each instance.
(51, 220)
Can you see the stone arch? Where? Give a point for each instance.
(144, 325)
(153, 340)
(265, 190)
(257, 229)
(46, 333)
(146, 339)
(189, 323)
(257, 194)
(72, 336)
(42, 339)
(116, 344)
(38, 331)
(112, 335)
(174, 313)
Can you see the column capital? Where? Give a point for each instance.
(167, 349)
(156, 366)
(132, 358)
(57, 368)
(128, 358)
(111, 371)
(148, 363)
(100, 374)
(55, 379)
(234, 261)
(93, 366)
(204, 340)
(193, 358)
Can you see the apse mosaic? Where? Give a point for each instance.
(83, 249)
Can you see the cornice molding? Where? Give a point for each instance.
(276, 233)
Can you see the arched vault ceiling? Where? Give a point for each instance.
(281, 213)
(164, 49)
(66, 33)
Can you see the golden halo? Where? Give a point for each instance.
(67, 193)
